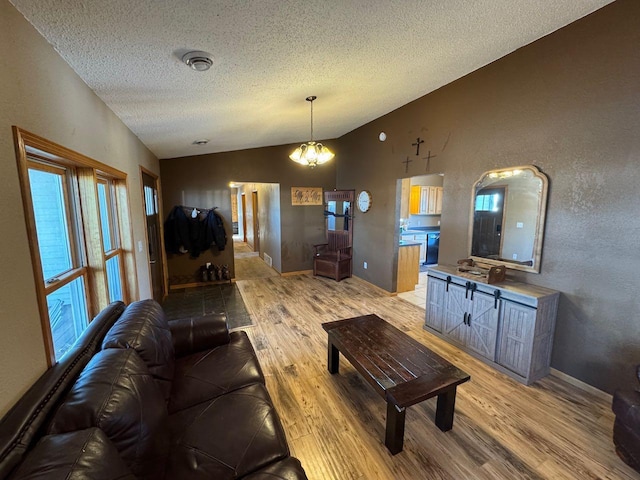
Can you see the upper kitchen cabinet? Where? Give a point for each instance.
(425, 200)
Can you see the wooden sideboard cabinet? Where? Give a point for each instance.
(509, 326)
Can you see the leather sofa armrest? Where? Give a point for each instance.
(192, 335)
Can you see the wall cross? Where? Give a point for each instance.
(417, 145)
(427, 158)
(406, 164)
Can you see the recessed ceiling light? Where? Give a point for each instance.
(203, 141)
(198, 60)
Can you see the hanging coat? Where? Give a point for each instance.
(214, 232)
(176, 231)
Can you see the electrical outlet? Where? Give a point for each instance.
(438, 222)
(140, 246)
(515, 256)
(365, 265)
(519, 225)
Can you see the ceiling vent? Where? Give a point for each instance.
(197, 60)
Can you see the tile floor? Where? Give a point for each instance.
(419, 295)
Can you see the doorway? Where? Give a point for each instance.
(257, 248)
(419, 211)
(154, 243)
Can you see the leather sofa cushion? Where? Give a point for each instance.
(143, 326)
(195, 334)
(227, 437)
(287, 469)
(116, 393)
(80, 455)
(208, 374)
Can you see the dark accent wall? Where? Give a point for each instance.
(568, 103)
(203, 180)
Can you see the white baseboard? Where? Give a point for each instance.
(582, 385)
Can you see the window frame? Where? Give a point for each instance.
(113, 210)
(32, 150)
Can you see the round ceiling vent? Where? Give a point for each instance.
(197, 60)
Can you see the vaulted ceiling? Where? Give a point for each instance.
(362, 58)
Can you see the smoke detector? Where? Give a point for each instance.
(198, 60)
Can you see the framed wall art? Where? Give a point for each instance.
(301, 196)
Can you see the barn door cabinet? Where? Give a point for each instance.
(509, 326)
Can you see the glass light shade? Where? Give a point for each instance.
(311, 154)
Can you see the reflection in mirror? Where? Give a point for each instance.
(507, 219)
(338, 213)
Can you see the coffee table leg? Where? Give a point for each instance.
(445, 408)
(394, 435)
(333, 358)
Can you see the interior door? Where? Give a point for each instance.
(152, 217)
(256, 226)
(487, 224)
(243, 205)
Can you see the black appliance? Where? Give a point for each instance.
(433, 245)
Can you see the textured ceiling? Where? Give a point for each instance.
(361, 58)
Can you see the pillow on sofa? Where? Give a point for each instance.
(143, 326)
(116, 393)
(80, 455)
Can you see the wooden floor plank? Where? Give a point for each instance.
(335, 423)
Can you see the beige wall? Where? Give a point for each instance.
(570, 104)
(40, 93)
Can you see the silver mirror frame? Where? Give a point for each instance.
(539, 235)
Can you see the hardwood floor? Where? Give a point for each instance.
(335, 423)
(249, 265)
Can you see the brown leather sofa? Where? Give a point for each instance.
(139, 397)
(626, 428)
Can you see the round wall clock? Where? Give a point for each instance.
(364, 201)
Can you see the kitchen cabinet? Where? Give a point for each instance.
(408, 267)
(420, 238)
(509, 326)
(425, 200)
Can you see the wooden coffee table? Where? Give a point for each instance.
(403, 371)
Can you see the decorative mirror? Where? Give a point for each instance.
(507, 218)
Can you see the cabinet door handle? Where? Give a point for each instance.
(468, 319)
(496, 297)
(473, 289)
(465, 318)
(466, 290)
(448, 281)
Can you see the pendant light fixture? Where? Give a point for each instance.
(311, 153)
